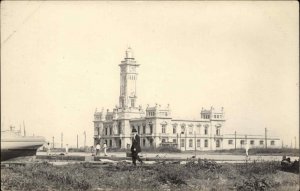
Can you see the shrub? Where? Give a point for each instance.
(168, 149)
(174, 174)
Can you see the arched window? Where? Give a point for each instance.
(218, 131)
(206, 131)
(163, 128)
(182, 128)
(174, 129)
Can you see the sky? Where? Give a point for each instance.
(59, 62)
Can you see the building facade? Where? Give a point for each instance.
(155, 124)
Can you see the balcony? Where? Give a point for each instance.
(218, 136)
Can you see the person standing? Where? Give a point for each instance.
(135, 147)
(105, 147)
(67, 149)
(247, 149)
(97, 149)
(48, 149)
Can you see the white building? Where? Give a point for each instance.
(155, 125)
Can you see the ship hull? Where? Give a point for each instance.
(20, 146)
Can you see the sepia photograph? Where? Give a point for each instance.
(150, 95)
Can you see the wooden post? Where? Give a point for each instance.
(61, 140)
(185, 140)
(235, 140)
(53, 142)
(24, 128)
(77, 141)
(84, 139)
(178, 142)
(195, 144)
(266, 138)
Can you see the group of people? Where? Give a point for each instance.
(48, 149)
(98, 148)
(135, 148)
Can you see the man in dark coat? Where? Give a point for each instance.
(135, 147)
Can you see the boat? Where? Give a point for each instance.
(14, 145)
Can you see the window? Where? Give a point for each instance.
(151, 128)
(242, 142)
(205, 131)
(205, 143)
(215, 116)
(119, 127)
(132, 103)
(191, 143)
(105, 130)
(110, 130)
(218, 131)
(182, 143)
(182, 129)
(174, 129)
(252, 142)
(163, 140)
(110, 143)
(163, 129)
(174, 140)
(144, 142)
(230, 142)
(198, 142)
(151, 142)
(218, 143)
(190, 130)
(272, 142)
(138, 129)
(261, 142)
(144, 129)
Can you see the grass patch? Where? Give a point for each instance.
(194, 175)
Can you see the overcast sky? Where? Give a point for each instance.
(59, 61)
